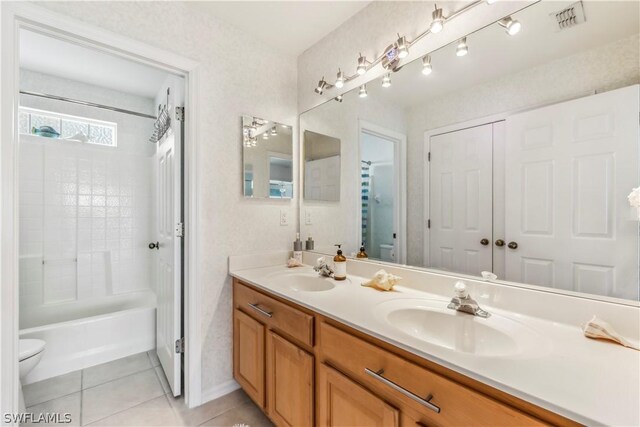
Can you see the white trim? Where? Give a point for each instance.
(14, 16)
(219, 391)
(400, 164)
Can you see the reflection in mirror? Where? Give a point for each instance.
(267, 159)
(520, 155)
(321, 167)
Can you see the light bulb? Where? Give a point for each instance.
(462, 48)
(426, 65)
(340, 80)
(511, 26)
(338, 98)
(363, 91)
(274, 131)
(403, 47)
(437, 24)
(362, 65)
(265, 135)
(386, 80)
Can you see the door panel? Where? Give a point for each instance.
(342, 402)
(461, 200)
(570, 168)
(248, 355)
(290, 382)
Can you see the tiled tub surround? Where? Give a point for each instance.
(589, 381)
(133, 391)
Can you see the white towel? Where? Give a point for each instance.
(598, 328)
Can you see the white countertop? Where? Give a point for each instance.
(590, 381)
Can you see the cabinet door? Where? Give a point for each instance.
(342, 402)
(248, 355)
(289, 383)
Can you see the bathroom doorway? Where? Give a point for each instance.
(78, 137)
(382, 193)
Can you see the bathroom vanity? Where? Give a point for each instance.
(314, 351)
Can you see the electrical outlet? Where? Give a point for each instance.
(307, 217)
(284, 217)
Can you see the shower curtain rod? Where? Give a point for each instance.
(88, 104)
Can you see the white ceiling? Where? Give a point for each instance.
(289, 26)
(493, 54)
(60, 58)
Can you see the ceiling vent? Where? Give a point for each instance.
(570, 16)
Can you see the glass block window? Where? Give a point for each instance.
(71, 128)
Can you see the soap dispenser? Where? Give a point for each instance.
(362, 254)
(339, 265)
(297, 249)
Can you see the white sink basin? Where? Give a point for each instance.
(302, 281)
(431, 322)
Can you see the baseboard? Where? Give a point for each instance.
(219, 390)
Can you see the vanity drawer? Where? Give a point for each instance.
(407, 385)
(275, 314)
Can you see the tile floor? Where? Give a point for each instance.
(133, 391)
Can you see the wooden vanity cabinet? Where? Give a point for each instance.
(304, 369)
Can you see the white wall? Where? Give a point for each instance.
(238, 75)
(566, 78)
(84, 209)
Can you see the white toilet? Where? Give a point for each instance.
(30, 353)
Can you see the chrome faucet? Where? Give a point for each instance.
(464, 303)
(323, 268)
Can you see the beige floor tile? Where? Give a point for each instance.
(51, 388)
(69, 404)
(153, 356)
(116, 396)
(156, 412)
(120, 368)
(248, 415)
(208, 410)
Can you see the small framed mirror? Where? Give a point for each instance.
(321, 167)
(267, 157)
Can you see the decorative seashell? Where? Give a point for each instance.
(383, 281)
(292, 262)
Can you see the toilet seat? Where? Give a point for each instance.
(29, 348)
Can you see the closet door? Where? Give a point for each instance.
(461, 199)
(569, 168)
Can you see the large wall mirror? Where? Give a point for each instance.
(521, 149)
(267, 158)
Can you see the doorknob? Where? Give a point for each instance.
(484, 242)
(512, 245)
(155, 245)
(500, 242)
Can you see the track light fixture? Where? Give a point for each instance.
(426, 65)
(386, 80)
(362, 93)
(339, 79)
(511, 26)
(321, 85)
(437, 20)
(362, 65)
(265, 135)
(462, 48)
(395, 51)
(402, 46)
(338, 98)
(274, 131)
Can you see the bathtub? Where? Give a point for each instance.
(80, 335)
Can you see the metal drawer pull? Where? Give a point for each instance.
(261, 311)
(424, 402)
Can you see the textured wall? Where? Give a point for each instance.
(239, 75)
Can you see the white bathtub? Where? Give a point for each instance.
(78, 335)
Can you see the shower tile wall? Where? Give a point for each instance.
(85, 212)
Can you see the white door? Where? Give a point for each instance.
(460, 200)
(569, 168)
(169, 265)
(322, 179)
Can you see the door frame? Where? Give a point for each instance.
(399, 141)
(16, 16)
